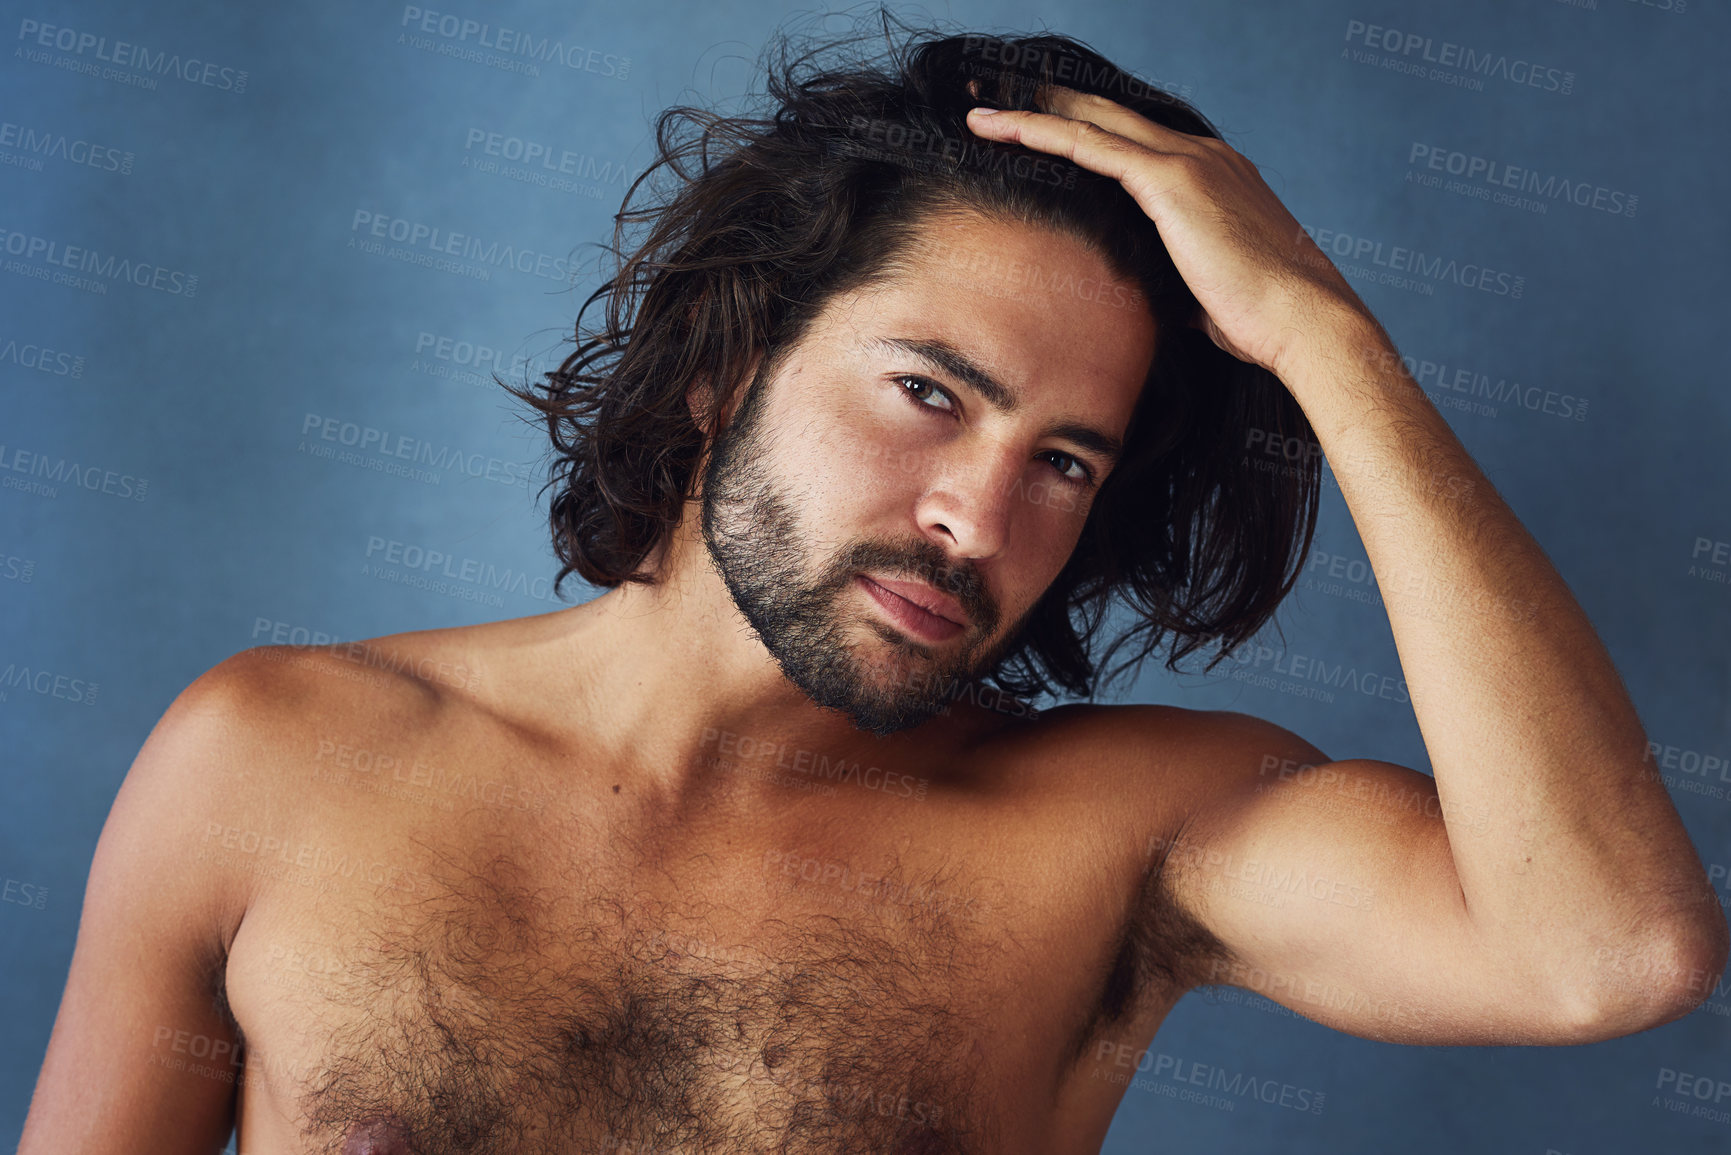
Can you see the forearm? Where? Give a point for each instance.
(1522, 713)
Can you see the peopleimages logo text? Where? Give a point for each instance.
(513, 42)
(408, 558)
(1429, 266)
(1470, 60)
(136, 56)
(60, 146)
(82, 259)
(464, 246)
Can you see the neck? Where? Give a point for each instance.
(685, 694)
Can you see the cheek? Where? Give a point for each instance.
(882, 477)
(852, 458)
(1054, 507)
(1050, 513)
(841, 479)
(1052, 554)
(1044, 532)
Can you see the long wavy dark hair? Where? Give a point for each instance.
(745, 225)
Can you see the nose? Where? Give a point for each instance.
(967, 510)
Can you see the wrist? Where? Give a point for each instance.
(1337, 339)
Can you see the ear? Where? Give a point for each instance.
(699, 393)
(698, 396)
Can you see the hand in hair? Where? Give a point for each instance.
(1261, 280)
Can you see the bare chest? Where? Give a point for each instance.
(770, 998)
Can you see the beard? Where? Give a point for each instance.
(757, 547)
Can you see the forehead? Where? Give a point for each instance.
(1037, 308)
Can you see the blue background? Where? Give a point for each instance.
(242, 534)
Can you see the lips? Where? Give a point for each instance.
(928, 599)
(929, 626)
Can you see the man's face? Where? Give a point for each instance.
(888, 507)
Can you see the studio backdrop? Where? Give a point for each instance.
(259, 265)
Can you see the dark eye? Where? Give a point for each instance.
(1071, 467)
(921, 392)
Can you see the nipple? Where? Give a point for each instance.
(377, 1137)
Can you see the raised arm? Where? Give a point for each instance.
(1542, 887)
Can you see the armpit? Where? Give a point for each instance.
(1161, 952)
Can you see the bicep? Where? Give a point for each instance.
(1331, 888)
(144, 1055)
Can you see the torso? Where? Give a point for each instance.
(500, 952)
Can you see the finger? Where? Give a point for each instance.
(1081, 141)
(1114, 117)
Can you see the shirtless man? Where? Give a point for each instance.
(725, 862)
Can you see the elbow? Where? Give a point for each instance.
(1645, 984)
(1691, 954)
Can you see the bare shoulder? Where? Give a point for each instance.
(425, 668)
(1172, 758)
(1150, 777)
(231, 734)
(1147, 778)
(247, 704)
(214, 763)
(208, 818)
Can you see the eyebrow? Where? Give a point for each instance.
(1001, 397)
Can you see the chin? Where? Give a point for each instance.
(884, 722)
(900, 686)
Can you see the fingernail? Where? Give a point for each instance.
(983, 111)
